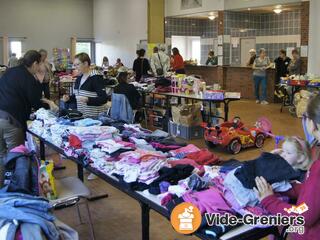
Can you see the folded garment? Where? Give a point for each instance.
(109, 146)
(185, 161)
(227, 166)
(209, 201)
(171, 175)
(243, 195)
(74, 141)
(197, 183)
(164, 148)
(164, 186)
(203, 157)
(270, 166)
(190, 148)
(212, 171)
(177, 190)
(87, 122)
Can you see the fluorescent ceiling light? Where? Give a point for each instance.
(277, 10)
(212, 17)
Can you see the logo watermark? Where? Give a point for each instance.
(186, 219)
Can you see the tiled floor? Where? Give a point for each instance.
(118, 217)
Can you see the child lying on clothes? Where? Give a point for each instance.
(279, 168)
(305, 193)
(296, 152)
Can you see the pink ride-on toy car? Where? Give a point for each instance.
(234, 135)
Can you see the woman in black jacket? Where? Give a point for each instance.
(127, 89)
(141, 65)
(89, 89)
(20, 92)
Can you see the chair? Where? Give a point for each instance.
(70, 191)
(121, 108)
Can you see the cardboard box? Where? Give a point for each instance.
(187, 114)
(185, 132)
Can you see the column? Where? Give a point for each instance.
(314, 38)
(155, 21)
(5, 46)
(73, 47)
(304, 33)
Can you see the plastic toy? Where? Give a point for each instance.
(234, 135)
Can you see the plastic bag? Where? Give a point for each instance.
(46, 180)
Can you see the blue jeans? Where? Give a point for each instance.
(260, 80)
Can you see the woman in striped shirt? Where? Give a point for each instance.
(89, 89)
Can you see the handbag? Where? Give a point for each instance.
(160, 71)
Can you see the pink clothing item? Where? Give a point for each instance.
(203, 157)
(20, 149)
(185, 161)
(166, 199)
(126, 144)
(307, 192)
(162, 146)
(208, 201)
(190, 148)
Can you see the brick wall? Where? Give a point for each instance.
(240, 79)
(234, 79)
(208, 73)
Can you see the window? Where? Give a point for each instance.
(84, 47)
(16, 47)
(87, 47)
(189, 46)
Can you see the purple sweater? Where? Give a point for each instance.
(308, 192)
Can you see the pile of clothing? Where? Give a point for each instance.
(23, 214)
(153, 162)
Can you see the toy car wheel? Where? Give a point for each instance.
(259, 140)
(210, 144)
(234, 146)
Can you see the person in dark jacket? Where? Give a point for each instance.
(294, 67)
(127, 89)
(141, 65)
(212, 59)
(282, 63)
(20, 92)
(89, 89)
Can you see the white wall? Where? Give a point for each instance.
(45, 23)
(119, 25)
(173, 7)
(314, 38)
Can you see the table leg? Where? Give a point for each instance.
(165, 122)
(226, 110)
(210, 113)
(80, 171)
(145, 220)
(42, 151)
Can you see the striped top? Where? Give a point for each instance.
(93, 88)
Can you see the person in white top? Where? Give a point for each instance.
(159, 61)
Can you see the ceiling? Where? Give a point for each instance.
(260, 10)
(269, 9)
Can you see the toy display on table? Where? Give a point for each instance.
(61, 58)
(191, 62)
(214, 94)
(234, 135)
(295, 80)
